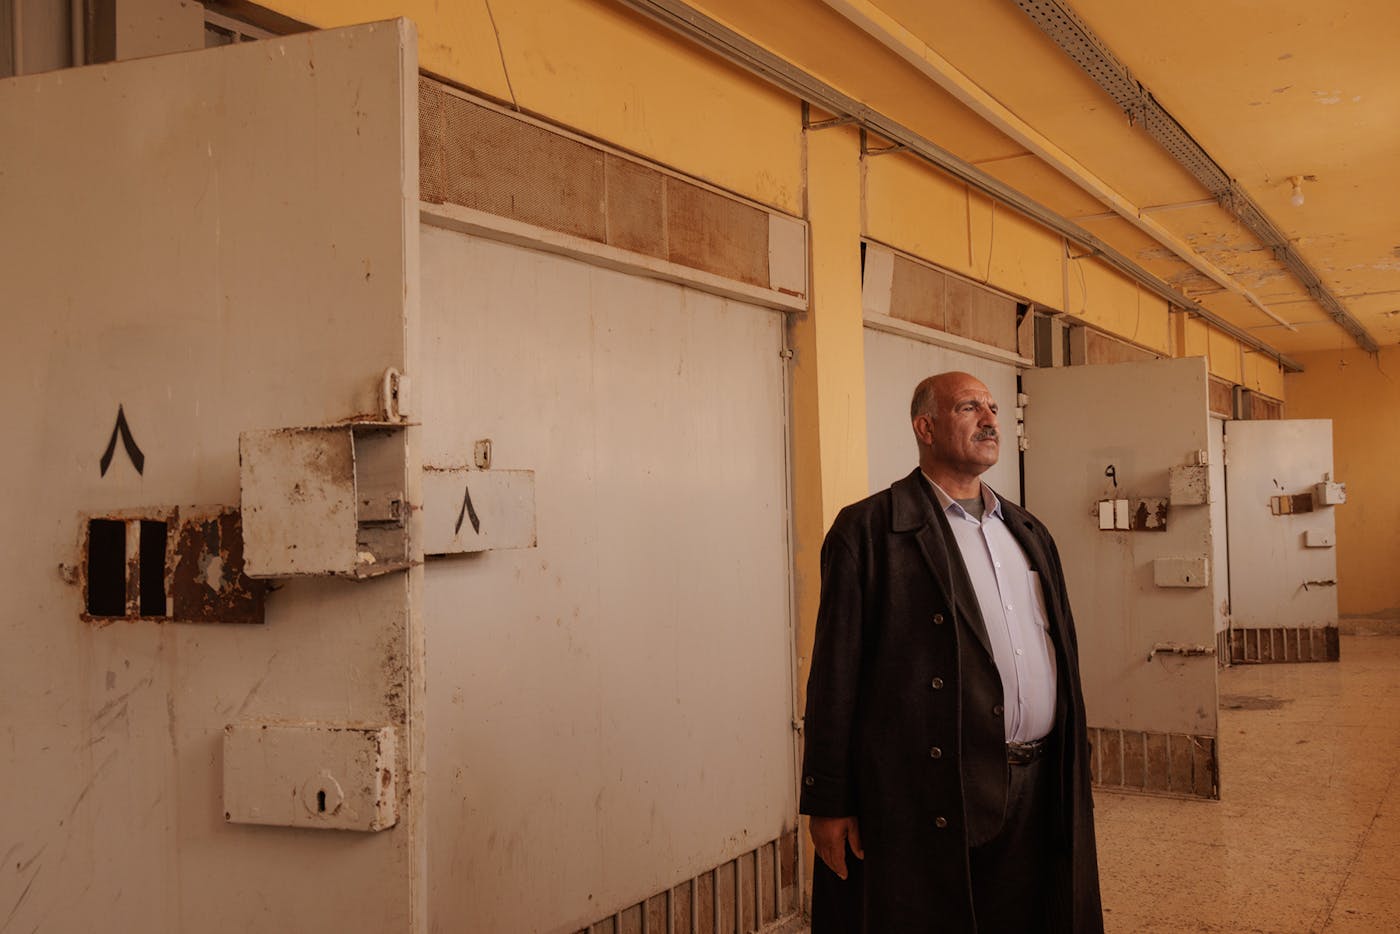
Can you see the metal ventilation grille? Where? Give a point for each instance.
(1078, 41)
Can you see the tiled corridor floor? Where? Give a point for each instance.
(1306, 836)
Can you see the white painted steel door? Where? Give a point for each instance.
(894, 365)
(207, 243)
(1154, 707)
(1283, 567)
(611, 711)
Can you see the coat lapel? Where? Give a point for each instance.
(915, 511)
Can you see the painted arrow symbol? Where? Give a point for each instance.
(133, 451)
(468, 511)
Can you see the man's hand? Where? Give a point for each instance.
(831, 834)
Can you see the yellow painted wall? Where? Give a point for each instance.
(1016, 254)
(1262, 374)
(828, 427)
(1361, 394)
(605, 72)
(1101, 296)
(1192, 337)
(1224, 353)
(915, 208)
(1195, 338)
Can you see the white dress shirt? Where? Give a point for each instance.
(1013, 608)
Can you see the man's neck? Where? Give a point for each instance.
(955, 483)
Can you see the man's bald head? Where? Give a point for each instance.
(954, 418)
(933, 390)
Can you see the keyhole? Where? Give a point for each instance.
(321, 801)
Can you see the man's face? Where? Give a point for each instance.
(963, 433)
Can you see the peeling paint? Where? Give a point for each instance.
(206, 581)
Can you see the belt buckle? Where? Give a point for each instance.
(1024, 753)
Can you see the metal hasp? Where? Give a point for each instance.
(467, 510)
(325, 500)
(1179, 648)
(325, 776)
(1329, 493)
(1189, 484)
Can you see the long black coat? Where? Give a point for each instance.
(894, 675)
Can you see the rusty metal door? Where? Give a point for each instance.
(1118, 466)
(1283, 556)
(193, 246)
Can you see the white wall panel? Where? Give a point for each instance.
(894, 365)
(610, 712)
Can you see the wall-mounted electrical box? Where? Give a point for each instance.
(320, 775)
(325, 500)
(1180, 572)
(468, 510)
(1330, 493)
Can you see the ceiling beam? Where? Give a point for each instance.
(886, 30)
(737, 49)
(1074, 37)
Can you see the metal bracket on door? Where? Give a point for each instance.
(1179, 648)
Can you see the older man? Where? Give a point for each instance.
(946, 769)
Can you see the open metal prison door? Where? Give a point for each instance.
(611, 709)
(1283, 558)
(193, 248)
(1117, 466)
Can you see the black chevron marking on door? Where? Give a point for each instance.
(133, 450)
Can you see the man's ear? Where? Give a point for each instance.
(923, 429)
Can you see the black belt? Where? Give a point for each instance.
(1026, 753)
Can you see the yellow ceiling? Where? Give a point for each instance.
(1269, 90)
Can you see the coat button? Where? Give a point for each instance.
(998, 710)
(940, 822)
(809, 781)
(935, 753)
(936, 684)
(938, 619)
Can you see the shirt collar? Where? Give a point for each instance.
(991, 506)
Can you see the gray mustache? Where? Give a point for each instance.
(989, 434)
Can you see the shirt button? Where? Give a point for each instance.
(998, 710)
(940, 822)
(937, 684)
(996, 563)
(938, 619)
(1010, 607)
(935, 753)
(1019, 652)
